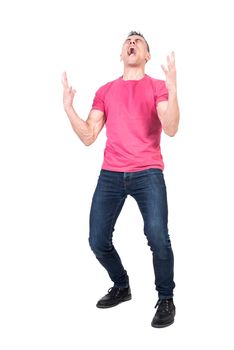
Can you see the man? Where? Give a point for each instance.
(135, 109)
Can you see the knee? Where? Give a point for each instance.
(94, 244)
(98, 245)
(162, 249)
(160, 245)
(159, 240)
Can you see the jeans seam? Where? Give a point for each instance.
(117, 212)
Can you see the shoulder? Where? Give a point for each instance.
(156, 82)
(104, 88)
(159, 87)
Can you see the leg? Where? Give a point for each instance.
(107, 203)
(151, 197)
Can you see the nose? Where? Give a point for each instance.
(132, 41)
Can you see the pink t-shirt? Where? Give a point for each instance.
(133, 128)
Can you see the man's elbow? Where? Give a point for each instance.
(86, 139)
(171, 132)
(87, 142)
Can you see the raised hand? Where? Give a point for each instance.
(68, 93)
(170, 72)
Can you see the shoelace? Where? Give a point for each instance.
(163, 305)
(112, 291)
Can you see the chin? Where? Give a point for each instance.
(132, 63)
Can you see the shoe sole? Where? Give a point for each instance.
(162, 326)
(128, 297)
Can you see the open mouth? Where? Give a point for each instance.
(131, 51)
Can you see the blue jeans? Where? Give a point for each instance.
(148, 188)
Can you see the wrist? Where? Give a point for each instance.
(69, 109)
(172, 93)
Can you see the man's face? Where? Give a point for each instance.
(134, 51)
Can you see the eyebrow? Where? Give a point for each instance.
(137, 38)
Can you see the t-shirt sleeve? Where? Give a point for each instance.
(161, 92)
(98, 101)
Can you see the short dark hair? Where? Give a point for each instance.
(133, 32)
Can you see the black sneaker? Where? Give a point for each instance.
(114, 297)
(165, 313)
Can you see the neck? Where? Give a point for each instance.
(133, 73)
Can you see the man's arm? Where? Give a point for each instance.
(168, 111)
(169, 115)
(86, 130)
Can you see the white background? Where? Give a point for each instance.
(50, 279)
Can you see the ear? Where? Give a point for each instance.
(121, 59)
(148, 57)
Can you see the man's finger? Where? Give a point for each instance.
(173, 58)
(164, 69)
(168, 61)
(173, 55)
(64, 80)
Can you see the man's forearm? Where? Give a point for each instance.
(172, 115)
(80, 126)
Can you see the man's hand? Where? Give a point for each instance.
(86, 130)
(168, 112)
(170, 73)
(68, 93)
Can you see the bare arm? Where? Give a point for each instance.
(86, 130)
(168, 111)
